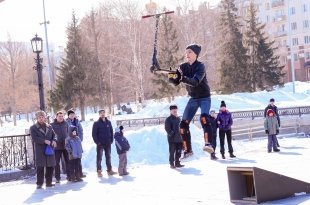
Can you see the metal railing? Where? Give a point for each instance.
(238, 114)
(13, 152)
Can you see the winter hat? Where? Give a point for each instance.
(271, 100)
(40, 113)
(121, 128)
(173, 107)
(70, 111)
(212, 111)
(269, 111)
(117, 129)
(194, 47)
(72, 128)
(223, 103)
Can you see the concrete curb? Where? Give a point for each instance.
(6, 176)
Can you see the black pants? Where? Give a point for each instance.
(175, 151)
(212, 140)
(222, 141)
(58, 154)
(107, 152)
(48, 175)
(75, 171)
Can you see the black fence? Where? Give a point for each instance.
(13, 152)
(252, 114)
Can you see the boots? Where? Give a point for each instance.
(213, 157)
(223, 156)
(111, 172)
(99, 172)
(232, 155)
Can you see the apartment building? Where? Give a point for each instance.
(288, 23)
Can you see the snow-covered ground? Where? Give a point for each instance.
(151, 181)
(201, 181)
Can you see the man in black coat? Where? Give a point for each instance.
(273, 107)
(60, 127)
(192, 73)
(174, 138)
(42, 134)
(103, 137)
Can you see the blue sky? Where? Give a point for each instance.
(22, 18)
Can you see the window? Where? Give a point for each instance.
(292, 10)
(304, 7)
(295, 57)
(307, 39)
(294, 26)
(305, 24)
(295, 41)
(307, 55)
(267, 18)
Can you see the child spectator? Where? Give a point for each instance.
(224, 122)
(122, 146)
(271, 125)
(74, 148)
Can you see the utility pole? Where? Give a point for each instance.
(291, 46)
(47, 48)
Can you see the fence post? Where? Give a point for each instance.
(299, 112)
(252, 115)
(143, 123)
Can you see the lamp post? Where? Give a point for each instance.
(291, 47)
(37, 48)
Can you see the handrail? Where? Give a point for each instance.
(236, 114)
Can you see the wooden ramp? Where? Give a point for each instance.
(252, 185)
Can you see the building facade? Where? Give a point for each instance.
(288, 24)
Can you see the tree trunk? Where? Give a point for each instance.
(82, 108)
(13, 97)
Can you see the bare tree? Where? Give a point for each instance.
(10, 55)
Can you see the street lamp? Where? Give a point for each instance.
(37, 47)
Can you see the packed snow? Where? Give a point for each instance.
(151, 181)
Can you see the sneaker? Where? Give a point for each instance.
(223, 156)
(232, 155)
(208, 148)
(276, 150)
(99, 172)
(111, 172)
(172, 166)
(39, 186)
(50, 185)
(179, 165)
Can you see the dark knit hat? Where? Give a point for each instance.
(223, 104)
(121, 128)
(70, 111)
(173, 107)
(269, 111)
(271, 100)
(194, 47)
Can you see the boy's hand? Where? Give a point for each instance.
(267, 132)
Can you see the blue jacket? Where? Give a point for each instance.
(74, 147)
(76, 123)
(102, 132)
(225, 119)
(121, 143)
